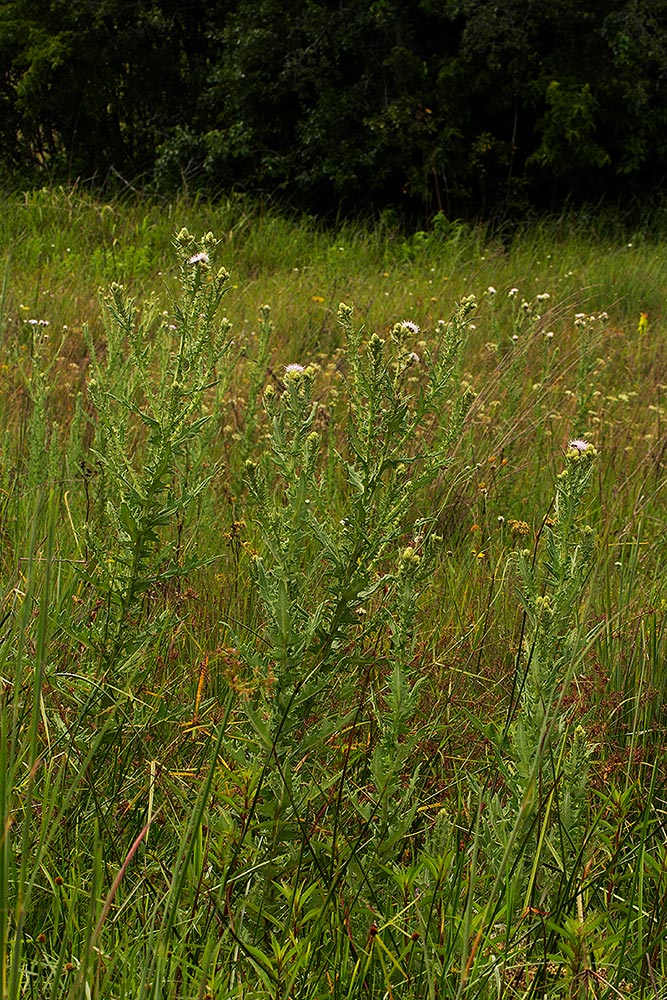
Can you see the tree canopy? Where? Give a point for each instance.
(457, 106)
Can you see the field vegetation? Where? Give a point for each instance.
(332, 605)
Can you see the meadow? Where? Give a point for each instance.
(332, 618)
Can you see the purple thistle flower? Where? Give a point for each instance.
(579, 445)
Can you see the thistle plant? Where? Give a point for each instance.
(544, 765)
(40, 462)
(344, 544)
(322, 562)
(257, 357)
(528, 835)
(394, 754)
(149, 393)
(552, 596)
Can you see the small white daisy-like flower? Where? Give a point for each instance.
(198, 258)
(294, 369)
(543, 296)
(491, 290)
(512, 293)
(579, 445)
(408, 324)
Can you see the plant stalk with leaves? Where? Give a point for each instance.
(151, 388)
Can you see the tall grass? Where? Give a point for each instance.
(329, 668)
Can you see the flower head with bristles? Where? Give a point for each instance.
(199, 258)
(578, 444)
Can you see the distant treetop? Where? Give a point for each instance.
(455, 106)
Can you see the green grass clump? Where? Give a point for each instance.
(332, 657)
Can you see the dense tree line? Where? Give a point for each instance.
(452, 105)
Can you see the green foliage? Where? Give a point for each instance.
(92, 85)
(313, 536)
(315, 681)
(136, 502)
(454, 107)
(568, 128)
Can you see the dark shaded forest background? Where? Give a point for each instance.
(466, 107)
